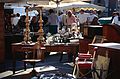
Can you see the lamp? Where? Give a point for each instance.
(27, 38)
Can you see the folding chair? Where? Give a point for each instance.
(84, 62)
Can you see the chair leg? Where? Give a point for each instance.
(34, 72)
(84, 75)
(25, 66)
(94, 72)
(61, 56)
(70, 57)
(74, 71)
(25, 57)
(33, 65)
(93, 75)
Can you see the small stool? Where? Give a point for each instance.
(33, 63)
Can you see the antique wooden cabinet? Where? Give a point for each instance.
(2, 49)
(111, 32)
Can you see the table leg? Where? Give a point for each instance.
(14, 63)
(74, 56)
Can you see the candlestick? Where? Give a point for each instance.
(40, 39)
(27, 38)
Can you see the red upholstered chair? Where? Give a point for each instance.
(85, 61)
(96, 39)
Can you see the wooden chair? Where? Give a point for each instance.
(96, 39)
(32, 60)
(84, 62)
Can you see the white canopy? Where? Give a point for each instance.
(65, 4)
(68, 5)
(81, 4)
(39, 2)
(12, 1)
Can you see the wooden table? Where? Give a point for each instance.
(63, 47)
(19, 47)
(56, 47)
(113, 52)
(110, 46)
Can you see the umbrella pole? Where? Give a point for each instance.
(57, 9)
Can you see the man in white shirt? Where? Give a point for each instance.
(93, 14)
(15, 19)
(82, 18)
(116, 19)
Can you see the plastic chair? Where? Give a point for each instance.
(85, 61)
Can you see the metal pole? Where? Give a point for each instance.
(57, 8)
(57, 2)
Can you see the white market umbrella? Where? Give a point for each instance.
(38, 2)
(79, 4)
(73, 4)
(12, 1)
(47, 4)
